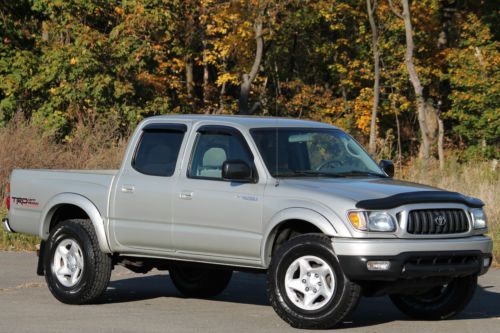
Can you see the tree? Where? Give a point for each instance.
(250, 77)
(371, 8)
(414, 79)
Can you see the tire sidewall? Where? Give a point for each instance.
(286, 258)
(68, 230)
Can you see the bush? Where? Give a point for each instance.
(24, 145)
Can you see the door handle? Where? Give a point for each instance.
(186, 195)
(128, 188)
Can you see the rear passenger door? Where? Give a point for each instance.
(141, 206)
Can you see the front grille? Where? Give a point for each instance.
(437, 221)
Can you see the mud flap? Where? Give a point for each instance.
(41, 254)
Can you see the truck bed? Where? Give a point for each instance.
(32, 190)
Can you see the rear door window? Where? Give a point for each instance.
(158, 150)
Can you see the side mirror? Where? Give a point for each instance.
(236, 170)
(388, 167)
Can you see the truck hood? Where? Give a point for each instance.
(356, 188)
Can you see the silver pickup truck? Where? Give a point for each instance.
(301, 201)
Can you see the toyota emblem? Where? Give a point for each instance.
(440, 220)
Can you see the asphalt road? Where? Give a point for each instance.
(150, 303)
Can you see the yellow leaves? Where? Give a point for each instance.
(73, 61)
(119, 10)
(149, 79)
(52, 90)
(227, 78)
(362, 107)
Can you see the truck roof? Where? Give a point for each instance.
(245, 121)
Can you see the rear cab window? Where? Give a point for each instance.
(158, 149)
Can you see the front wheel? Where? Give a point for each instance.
(76, 270)
(441, 302)
(200, 282)
(306, 285)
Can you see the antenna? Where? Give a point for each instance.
(276, 138)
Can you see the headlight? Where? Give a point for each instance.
(479, 219)
(372, 221)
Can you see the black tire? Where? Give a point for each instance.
(96, 271)
(200, 282)
(345, 295)
(439, 303)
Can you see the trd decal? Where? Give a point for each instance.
(25, 202)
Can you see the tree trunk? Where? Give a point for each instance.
(249, 77)
(441, 143)
(446, 14)
(206, 82)
(376, 83)
(45, 31)
(398, 131)
(415, 81)
(189, 77)
(221, 98)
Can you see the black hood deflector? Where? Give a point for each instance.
(396, 200)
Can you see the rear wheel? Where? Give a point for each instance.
(76, 270)
(200, 282)
(306, 285)
(440, 302)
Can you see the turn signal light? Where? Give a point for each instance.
(378, 265)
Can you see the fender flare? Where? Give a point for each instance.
(83, 203)
(294, 213)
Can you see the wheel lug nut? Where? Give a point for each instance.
(304, 281)
(316, 275)
(319, 284)
(314, 290)
(307, 288)
(308, 274)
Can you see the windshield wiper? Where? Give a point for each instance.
(307, 173)
(311, 173)
(361, 173)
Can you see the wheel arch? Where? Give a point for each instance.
(74, 205)
(307, 218)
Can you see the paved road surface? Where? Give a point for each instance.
(150, 303)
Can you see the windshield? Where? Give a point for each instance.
(293, 152)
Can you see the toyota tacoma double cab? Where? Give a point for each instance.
(300, 201)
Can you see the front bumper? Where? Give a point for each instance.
(413, 258)
(6, 225)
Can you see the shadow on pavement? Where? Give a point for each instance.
(485, 304)
(379, 310)
(244, 288)
(248, 288)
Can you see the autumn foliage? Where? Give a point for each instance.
(64, 64)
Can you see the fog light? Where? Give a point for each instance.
(486, 262)
(378, 265)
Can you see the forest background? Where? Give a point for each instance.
(414, 81)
